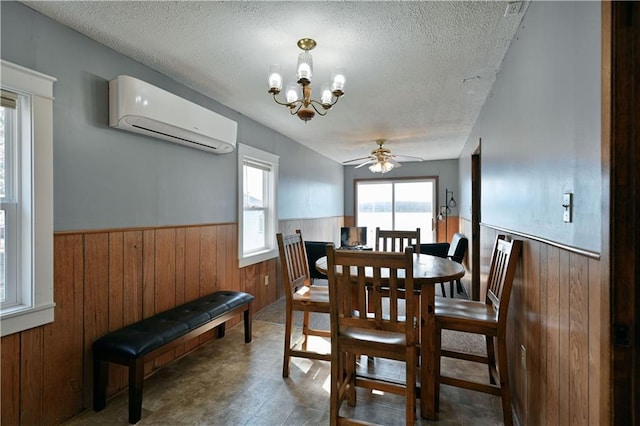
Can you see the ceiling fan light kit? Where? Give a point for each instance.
(381, 159)
(298, 94)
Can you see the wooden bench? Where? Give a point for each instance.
(137, 343)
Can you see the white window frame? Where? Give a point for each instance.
(427, 233)
(251, 154)
(35, 306)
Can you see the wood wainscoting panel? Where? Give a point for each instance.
(599, 369)
(107, 279)
(550, 337)
(31, 377)
(62, 337)
(558, 313)
(530, 324)
(10, 385)
(180, 277)
(165, 294)
(578, 339)
(96, 299)
(116, 301)
(322, 229)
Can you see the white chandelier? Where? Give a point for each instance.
(298, 94)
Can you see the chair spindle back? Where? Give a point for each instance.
(397, 241)
(357, 301)
(295, 269)
(501, 272)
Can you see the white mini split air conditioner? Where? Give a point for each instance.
(137, 106)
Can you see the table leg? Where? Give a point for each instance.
(427, 355)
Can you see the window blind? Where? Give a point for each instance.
(257, 164)
(9, 99)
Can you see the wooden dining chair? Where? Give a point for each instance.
(301, 296)
(354, 332)
(392, 240)
(488, 318)
(397, 241)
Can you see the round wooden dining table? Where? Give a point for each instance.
(428, 271)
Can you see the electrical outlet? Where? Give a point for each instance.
(523, 357)
(266, 280)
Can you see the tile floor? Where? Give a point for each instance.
(228, 382)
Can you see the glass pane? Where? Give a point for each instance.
(3, 268)
(254, 194)
(374, 208)
(3, 118)
(253, 234)
(400, 205)
(413, 207)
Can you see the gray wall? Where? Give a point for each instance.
(446, 170)
(540, 129)
(106, 178)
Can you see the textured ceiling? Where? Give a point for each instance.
(418, 73)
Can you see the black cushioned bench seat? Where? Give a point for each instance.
(146, 339)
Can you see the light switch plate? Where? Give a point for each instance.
(567, 205)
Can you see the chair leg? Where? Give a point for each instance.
(351, 379)
(491, 357)
(288, 328)
(305, 329)
(410, 381)
(437, 350)
(338, 378)
(505, 390)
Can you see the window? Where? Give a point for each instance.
(257, 216)
(26, 199)
(402, 205)
(9, 219)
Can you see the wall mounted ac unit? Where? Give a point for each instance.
(137, 106)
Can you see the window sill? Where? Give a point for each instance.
(20, 318)
(258, 257)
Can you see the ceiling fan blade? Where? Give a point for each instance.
(394, 162)
(371, 160)
(407, 158)
(357, 159)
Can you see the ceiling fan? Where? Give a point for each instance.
(381, 159)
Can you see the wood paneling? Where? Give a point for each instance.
(322, 229)
(10, 379)
(446, 228)
(65, 334)
(96, 299)
(556, 315)
(453, 224)
(31, 375)
(104, 280)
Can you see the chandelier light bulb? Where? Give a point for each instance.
(292, 92)
(305, 66)
(325, 93)
(275, 77)
(338, 80)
